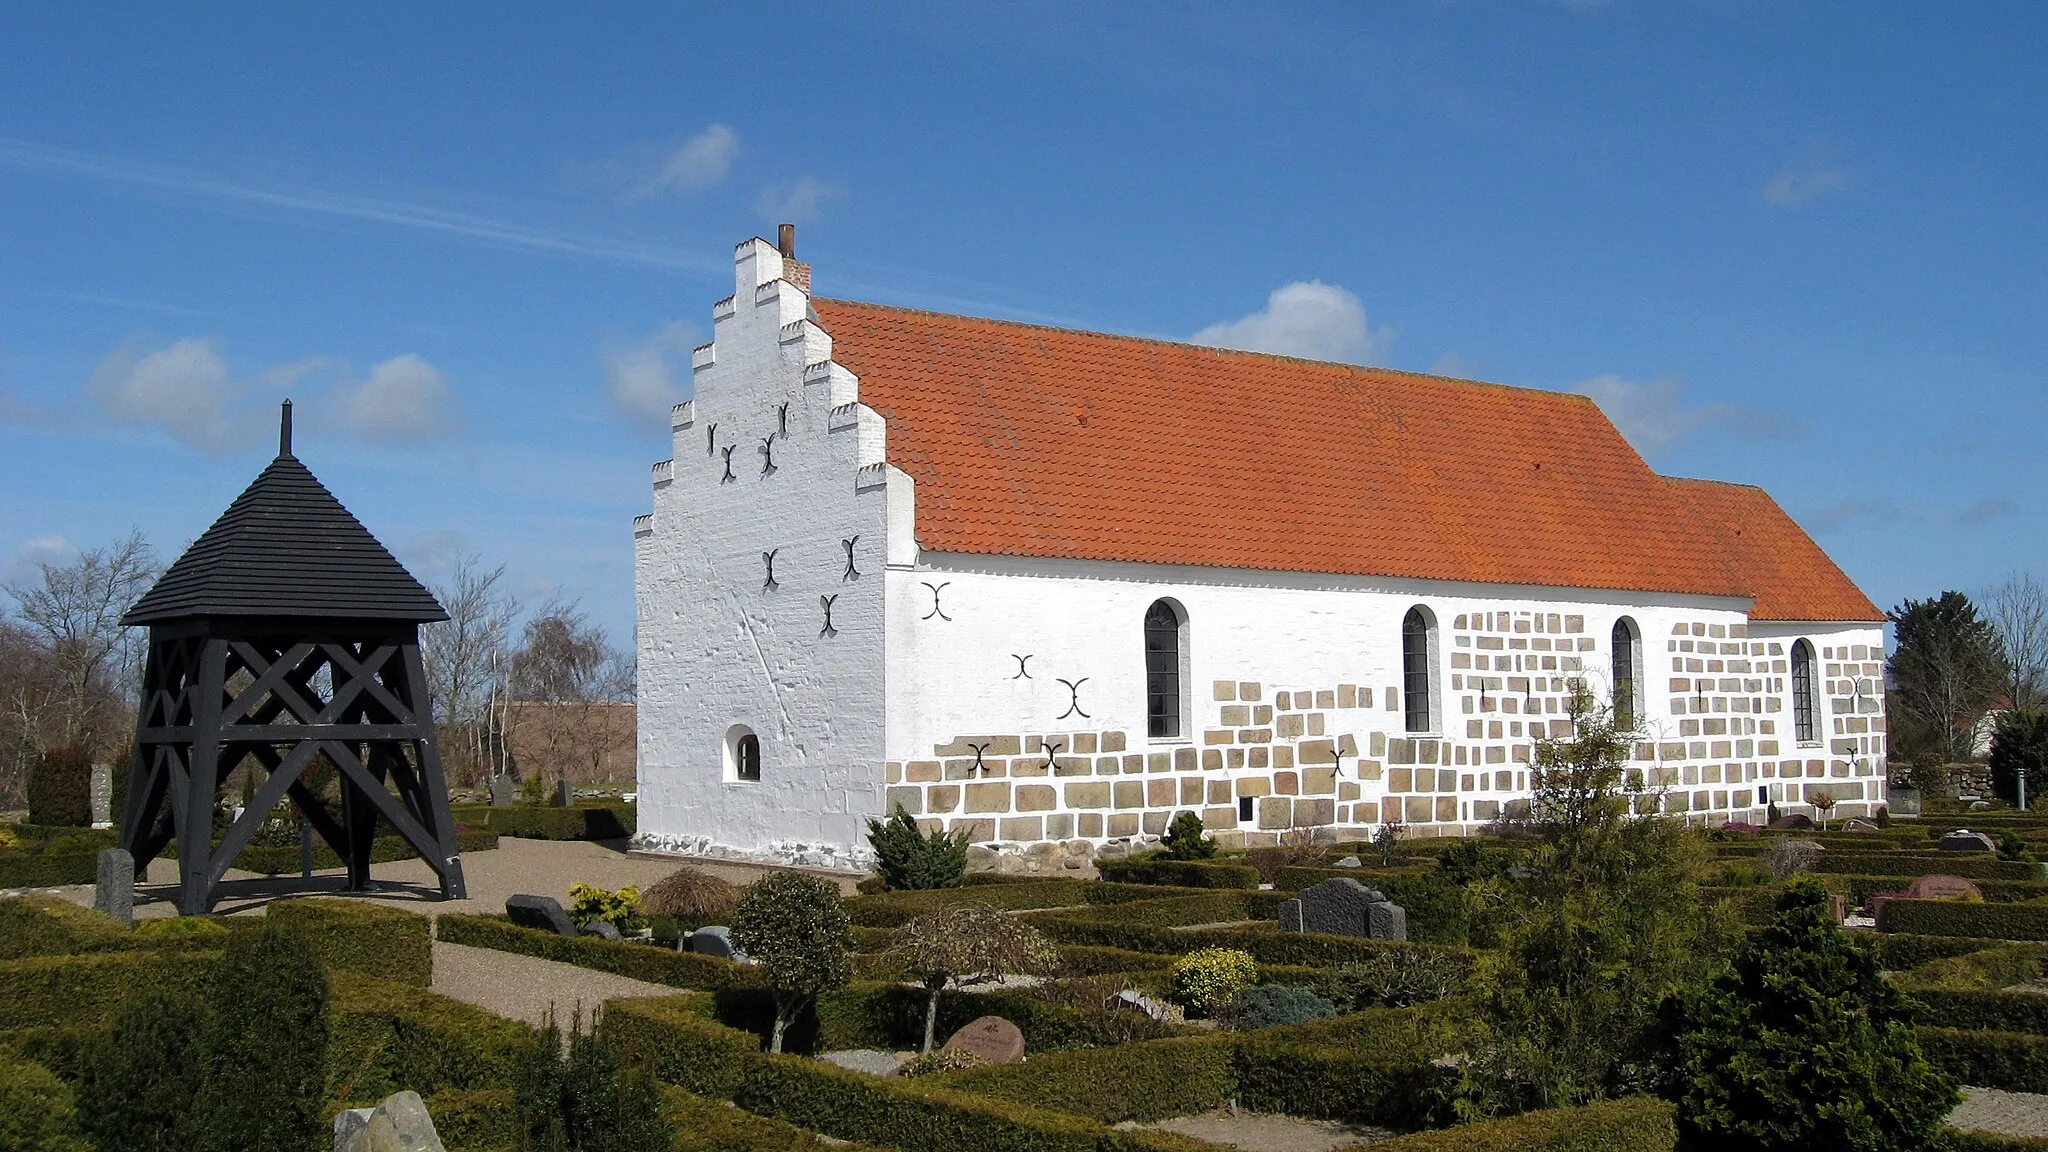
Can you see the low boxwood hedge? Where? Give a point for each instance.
(385, 1036)
(85, 990)
(1988, 1011)
(703, 1125)
(2013, 1061)
(1952, 1140)
(478, 1120)
(894, 909)
(47, 926)
(621, 958)
(682, 1046)
(613, 821)
(275, 861)
(1178, 873)
(54, 1047)
(357, 936)
(1955, 918)
(1636, 1124)
(1860, 888)
(1144, 1081)
(1981, 971)
(1902, 951)
(41, 870)
(1925, 864)
(1372, 1067)
(36, 1111)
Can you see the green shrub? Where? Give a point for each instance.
(60, 788)
(143, 1074)
(1901, 951)
(2019, 750)
(86, 990)
(593, 905)
(1635, 1124)
(792, 926)
(1186, 839)
(1198, 873)
(1950, 918)
(1148, 1081)
(943, 1060)
(1270, 1005)
(1925, 864)
(48, 926)
(1395, 1088)
(1215, 906)
(483, 1120)
(265, 1045)
(387, 1036)
(36, 1112)
(172, 931)
(1990, 1011)
(619, 957)
(60, 1049)
(48, 871)
(905, 1114)
(679, 1045)
(588, 1100)
(1987, 970)
(357, 936)
(609, 821)
(909, 859)
(1205, 979)
(2009, 1060)
(1804, 1043)
(1397, 978)
(710, 1126)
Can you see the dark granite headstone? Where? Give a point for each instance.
(1796, 821)
(716, 940)
(113, 892)
(1964, 840)
(1344, 907)
(542, 912)
(504, 790)
(604, 929)
(565, 794)
(992, 1038)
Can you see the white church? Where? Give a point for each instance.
(1055, 587)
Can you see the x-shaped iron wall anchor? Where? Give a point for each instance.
(1023, 666)
(828, 629)
(1052, 752)
(851, 572)
(728, 477)
(978, 750)
(710, 439)
(782, 419)
(768, 559)
(936, 610)
(1074, 699)
(768, 454)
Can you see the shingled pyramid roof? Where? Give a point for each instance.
(287, 547)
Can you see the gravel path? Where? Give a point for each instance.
(2005, 1113)
(1257, 1132)
(524, 988)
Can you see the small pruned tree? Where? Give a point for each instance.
(908, 859)
(969, 944)
(1387, 837)
(2019, 750)
(795, 927)
(1187, 839)
(1823, 803)
(1803, 1044)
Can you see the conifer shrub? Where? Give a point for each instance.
(1397, 978)
(1186, 839)
(265, 1046)
(143, 1075)
(587, 1100)
(1271, 1005)
(907, 858)
(1803, 1044)
(60, 788)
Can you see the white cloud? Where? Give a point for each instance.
(1310, 319)
(24, 564)
(641, 378)
(184, 389)
(797, 202)
(405, 398)
(1654, 415)
(692, 166)
(1797, 184)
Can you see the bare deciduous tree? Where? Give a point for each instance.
(2018, 611)
(567, 663)
(465, 661)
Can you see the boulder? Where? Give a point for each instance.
(542, 912)
(1964, 840)
(992, 1038)
(603, 930)
(1349, 862)
(1132, 998)
(716, 940)
(399, 1124)
(1942, 887)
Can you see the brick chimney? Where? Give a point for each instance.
(793, 270)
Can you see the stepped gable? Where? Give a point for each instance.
(1026, 440)
(287, 547)
(1791, 578)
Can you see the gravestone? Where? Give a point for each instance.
(101, 790)
(565, 794)
(399, 1124)
(602, 929)
(1941, 887)
(1344, 907)
(1132, 998)
(992, 1038)
(113, 891)
(1964, 840)
(542, 912)
(1795, 822)
(1859, 824)
(504, 790)
(1350, 862)
(716, 940)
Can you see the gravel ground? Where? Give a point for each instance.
(1257, 1132)
(2005, 1113)
(525, 988)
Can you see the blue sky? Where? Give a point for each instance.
(1798, 245)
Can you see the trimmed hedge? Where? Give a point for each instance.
(2009, 1060)
(621, 958)
(894, 909)
(36, 1113)
(55, 1048)
(703, 1125)
(1436, 907)
(43, 991)
(587, 822)
(47, 926)
(357, 936)
(385, 1036)
(1970, 867)
(1901, 951)
(1178, 873)
(1984, 971)
(18, 870)
(483, 1120)
(1952, 1140)
(1637, 1124)
(1374, 1067)
(1145, 1081)
(1860, 888)
(1987, 1011)
(682, 1046)
(892, 1016)
(1954, 918)
(270, 861)
(1088, 960)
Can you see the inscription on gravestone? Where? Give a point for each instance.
(992, 1038)
(1344, 907)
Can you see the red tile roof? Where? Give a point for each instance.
(1033, 441)
(1777, 562)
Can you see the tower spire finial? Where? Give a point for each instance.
(284, 430)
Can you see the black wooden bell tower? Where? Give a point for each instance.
(286, 631)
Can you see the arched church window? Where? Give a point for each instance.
(742, 755)
(1805, 694)
(1165, 670)
(1627, 679)
(1418, 669)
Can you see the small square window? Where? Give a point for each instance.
(1244, 808)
